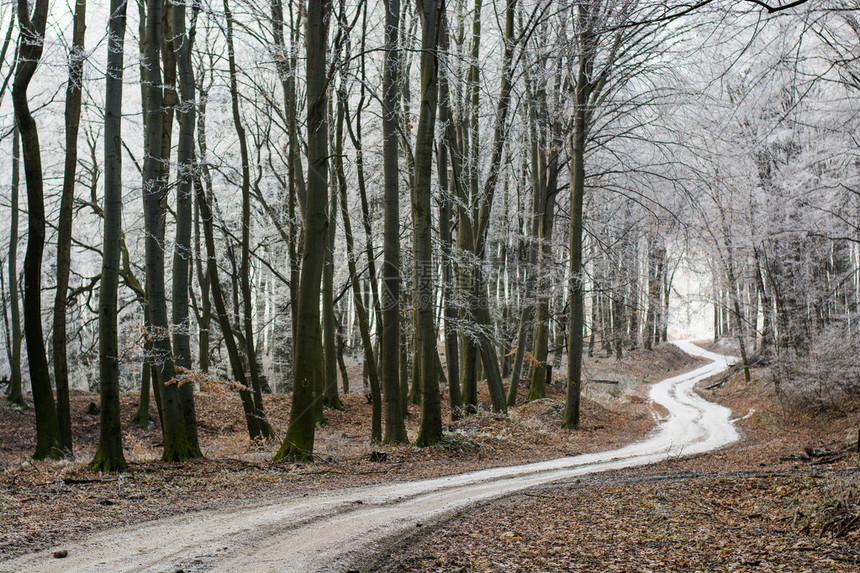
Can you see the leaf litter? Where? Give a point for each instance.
(793, 516)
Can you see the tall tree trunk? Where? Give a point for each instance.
(540, 338)
(285, 58)
(570, 418)
(361, 310)
(141, 415)
(431, 414)
(395, 429)
(734, 294)
(667, 290)
(329, 391)
(182, 43)
(448, 193)
(548, 168)
(109, 455)
(16, 394)
(77, 55)
(49, 443)
(341, 346)
(619, 318)
(632, 252)
(366, 218)
(178, 441)
(205, 321)
(170, 98)
(307, 367)
(245, 272)
(286, 65)
(538, 201)
(468, 194)
(205, 200)
(480, 299)
(766, 303)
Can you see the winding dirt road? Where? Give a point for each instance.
(333, 530)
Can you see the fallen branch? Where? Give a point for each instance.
(598, 381)
(78, 481)
(732, 371)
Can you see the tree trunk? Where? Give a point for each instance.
(205, 321)
(245, 274)
(330, 397)
(254, 430)
(179, 443)
(734, 294)
(395, 429)
(431, 414)
(286, 71)
(109, 455)
(489, 358)
(366, 219)
(307, 367)
(632, 252)
(447, 193)
(570, 418)
(467, 180)
(653, 293)
(77, 56)
(48, 441)
(16, 394)
(341, 346)
(538, 200)
(540, 338)
(184, 215)
(361, 310)
(540, 350)
(286, 65)
(767, 313)
(141, 415)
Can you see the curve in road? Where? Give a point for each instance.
(331, 531)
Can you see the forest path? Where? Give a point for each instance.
(331, 531)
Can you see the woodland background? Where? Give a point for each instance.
(535, 177)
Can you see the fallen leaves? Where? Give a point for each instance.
(690, 524)
(44, 503)
(685, 514)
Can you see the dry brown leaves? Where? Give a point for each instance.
(723, 524)
(603, 526)
(786, 498)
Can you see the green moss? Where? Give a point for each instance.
(293, 453)
(104, 462)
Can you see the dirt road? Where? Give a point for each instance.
(335, 530)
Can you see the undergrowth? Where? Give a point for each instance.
(837, 513)
(457, 440)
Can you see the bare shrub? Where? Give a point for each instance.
(826, 378)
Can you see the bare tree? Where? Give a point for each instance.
(179, 429)
(49, 443)
(109, 455)
(395, 430)
(308, 367)
(425, 335)
(77, 55)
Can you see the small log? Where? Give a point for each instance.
(827, 460)
(732, 371)
(76, 481)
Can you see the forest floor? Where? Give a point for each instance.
(762, 504)
(786, 497)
